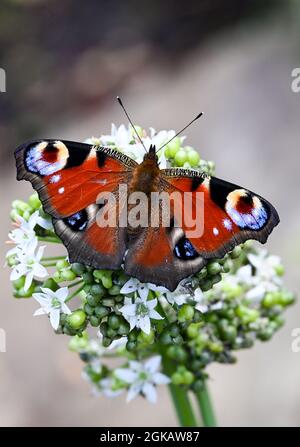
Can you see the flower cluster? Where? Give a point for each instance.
(157, 336)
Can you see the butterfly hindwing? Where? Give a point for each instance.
(231, 214)
(69, 177)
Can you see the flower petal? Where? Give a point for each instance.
(54, 318)
(149, 391)
(126, 374)
(153, 364)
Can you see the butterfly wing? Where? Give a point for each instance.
(228, 216)
(69, 177)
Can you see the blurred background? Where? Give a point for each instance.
(65, 63)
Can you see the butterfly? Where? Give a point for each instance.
(69, 176)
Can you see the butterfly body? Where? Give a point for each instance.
(69, 178)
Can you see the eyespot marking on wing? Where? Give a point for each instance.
(184, 250)
(46, 158)
(246, 210)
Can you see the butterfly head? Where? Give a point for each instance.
(151, 155)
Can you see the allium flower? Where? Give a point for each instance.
(143, 378)
(179, 296)
(142, 289)
(120, 137)
(139, 312)
(24, 236)
(108, 388)
(52, 304)
(28, 265)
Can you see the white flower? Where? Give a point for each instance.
(115, 344)
(120, 137)
(143, 378)
(265, 265)
(24, 236)
(179, 296)
(139, 313)
(107, 388)
(142, 289)
(265, 279)
(29, 266)
(52, 304)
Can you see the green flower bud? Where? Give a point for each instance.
(89, 310)
(246, 314)
(92, 300)
(50, 284)
(279, 269)
(177, 353)
(88, 278)
(236, 252)
(215, 347)
(114, 321)
(213, 268)
(188, 377)
(108, 302)
(177, 378)
(101, 311)
(13, 215)
(67, 275)
(193, 330)
(229, 333)
(18, 283)
(97, 290)
(78, 269)
(180, 157)
(114, 290)
(185, 313)
(106, 341)
(107, 281)
(193, 157)
(95, 321)
(146, 339)
(76, 319)
(174, 330)
(123, 328)
(165, 338)
(265, 334)
(62, 264)
(34, 201)
(111, 333)
(173, 147)
(20, 206)
(21, 293)
(286, 298)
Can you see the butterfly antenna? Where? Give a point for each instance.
(178, 133)
(136, 132)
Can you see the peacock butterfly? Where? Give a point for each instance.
(69, 177)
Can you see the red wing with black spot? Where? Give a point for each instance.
(69, 177)
(230, 215)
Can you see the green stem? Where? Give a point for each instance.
(205, 407)
(49, 264)
(181, 401)
(51, 239)
(180, 397)
(54, 258)
(75, 293)
(73, 284)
